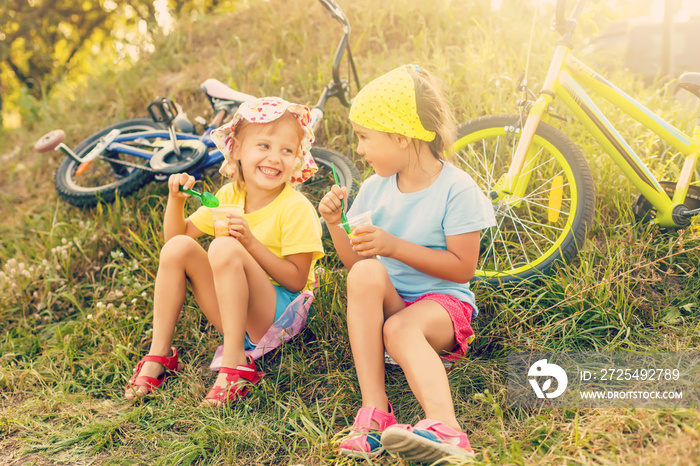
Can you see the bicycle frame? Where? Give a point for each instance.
(564, 79)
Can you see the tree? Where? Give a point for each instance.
(41, 41)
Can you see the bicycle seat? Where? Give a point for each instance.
(219, 90)
(690, 82)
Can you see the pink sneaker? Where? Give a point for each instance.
(364, 441)
(428, 441)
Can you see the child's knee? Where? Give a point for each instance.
(225, 252)
(395, 330)
(366, 273)
(177, 247)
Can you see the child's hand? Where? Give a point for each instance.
(239, 229)
(177, 180)
(330, 207)
(370, 240)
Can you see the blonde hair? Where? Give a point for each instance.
(434, 112)
(239, 133)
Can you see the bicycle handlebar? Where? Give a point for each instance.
(335, 11)
(560, 18)
(566, 26)
(338, 84)
(338, 14)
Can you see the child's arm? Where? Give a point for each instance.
(330, 209)
(290, 271)
(457, 263)
(174, 222)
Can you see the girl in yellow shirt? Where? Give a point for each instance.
(245, 280)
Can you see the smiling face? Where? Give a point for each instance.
(267, 152)
(382, 151)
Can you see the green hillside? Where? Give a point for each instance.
(76, 285)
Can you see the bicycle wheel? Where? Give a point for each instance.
(547, 216)
(318, 185)
(102, 179)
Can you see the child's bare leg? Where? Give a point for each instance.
(413, 337)
(371, 297)
(181, 258)
(246, 299)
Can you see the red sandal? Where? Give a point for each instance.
(233, 390)
(151, 383)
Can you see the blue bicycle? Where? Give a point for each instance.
(127, 155)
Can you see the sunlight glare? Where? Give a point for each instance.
(163, 16)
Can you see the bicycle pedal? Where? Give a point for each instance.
(162, 110)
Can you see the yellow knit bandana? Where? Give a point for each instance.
(388, 104)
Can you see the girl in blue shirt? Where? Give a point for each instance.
(409, 272)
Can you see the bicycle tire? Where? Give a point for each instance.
(321, 182)
(102, 179)
(549, 221)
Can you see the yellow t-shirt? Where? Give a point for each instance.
(287, 225)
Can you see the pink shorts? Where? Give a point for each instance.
(461, 315)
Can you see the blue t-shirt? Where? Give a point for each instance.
(452, 205)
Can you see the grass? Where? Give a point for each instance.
(76, 285)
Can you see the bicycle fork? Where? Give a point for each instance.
(512, 186)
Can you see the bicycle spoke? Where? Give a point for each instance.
(547, 182)
(505, 249)
(533, 169)
(495, 154)
(490, 181)
(525, 222)
(492, 246)
(522, 246)
(549, 208)
(477, 173)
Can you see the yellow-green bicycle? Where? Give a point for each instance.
(538, 180)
